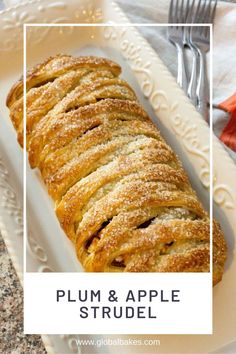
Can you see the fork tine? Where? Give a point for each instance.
(196, 17)
(170, 18)
(211, 17)
(189, 18)
(213, 12)
(184, 10)
(181, 17)
(187, 10)
(181, 11)
(177, 11)
(206, 17)
(201, 11)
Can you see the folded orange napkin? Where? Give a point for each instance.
(228, 135)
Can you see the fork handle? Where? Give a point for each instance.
(192, 87)
(181, 77)
(203, 87)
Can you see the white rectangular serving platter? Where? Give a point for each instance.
(183, 128)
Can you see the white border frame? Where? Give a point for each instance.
(25, 26)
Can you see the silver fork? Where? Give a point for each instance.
(193, 76)
(200, 40)
(178, 14)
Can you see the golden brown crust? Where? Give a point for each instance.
(54, 67)
(121, 193)
(49, 71)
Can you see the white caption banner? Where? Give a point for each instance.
(143, 303)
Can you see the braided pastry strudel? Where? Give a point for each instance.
(120, 192)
